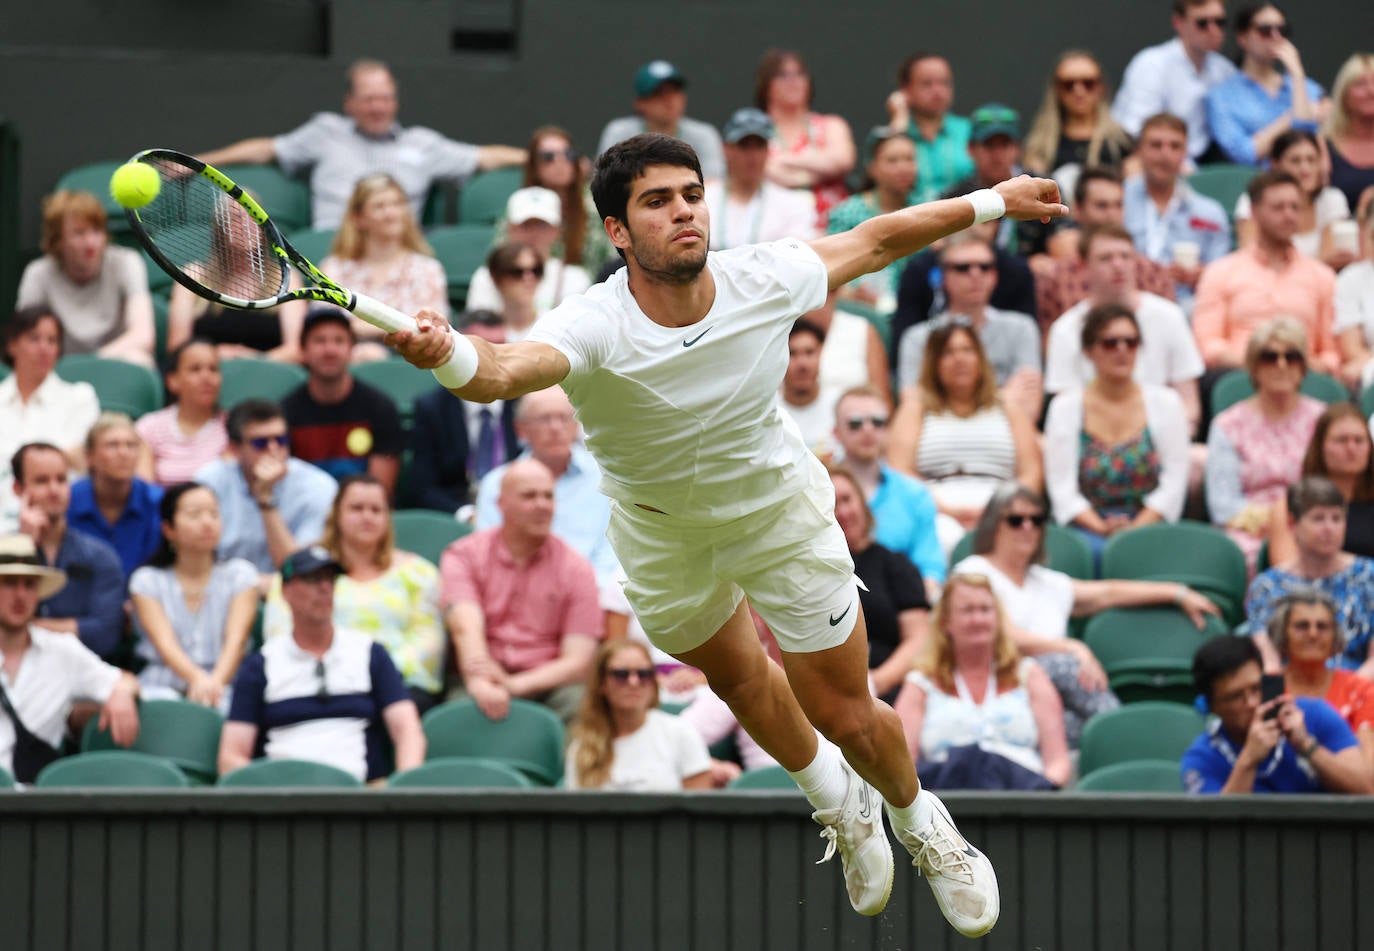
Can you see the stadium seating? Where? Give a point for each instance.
(769, 777)
(314, 244)
(286, 200)
(1158, 731)
(121, 387)
(398, 380)
(482, 200)
(1223, 182)
(1145, 775)
(112, 768)
(1065, 550)
(1148, 652)
(260, 379)
(183, 733)
(288, 773)
(426, 532)
(1367, 401)
(530, 738)
(1236, 386)
(461, 249)
(159, 281)
(1192, 553)
(465, 772)
(4, 372)
(6, 780)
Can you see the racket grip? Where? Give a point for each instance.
(381, 315)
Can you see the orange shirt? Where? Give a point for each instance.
(1353, 698)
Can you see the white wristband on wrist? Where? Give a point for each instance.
(461, 365)
(987, 205)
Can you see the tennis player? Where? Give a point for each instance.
(673, 366)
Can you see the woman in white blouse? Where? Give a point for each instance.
(1297, 153)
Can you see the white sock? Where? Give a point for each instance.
(823, 779)
(917, 814)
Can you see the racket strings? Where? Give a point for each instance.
(210, 237)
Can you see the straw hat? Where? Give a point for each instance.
(19, 557)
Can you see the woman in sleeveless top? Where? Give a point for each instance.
(953, 432)
(973, 688)
(1350, 129)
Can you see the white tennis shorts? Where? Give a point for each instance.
(790, 559)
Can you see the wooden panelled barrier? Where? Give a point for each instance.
(708, 872)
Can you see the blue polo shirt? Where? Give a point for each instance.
(1208, 762)
(1189, 217)
(93, 594)
(904, 516)
(303, 498)
(134, 535)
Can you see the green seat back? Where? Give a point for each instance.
(1191, 553)
(483, 197)
(1367, 401)
(1065, 550)
(4, 372)
(244, 378)
(1223, 182)
(1158, 731)
(6, 780)
(1148, 652)
(313, 244)
(121, 387)
(398, 380)
(769, 777)
(95, 178)
(185, 734)
(462, 772)
(1236, 386)
(289, 773)
(159, 281)
(285, 199)
(112, 768)
(530, 738)
(437, 204)
(1144, 775)
(426, 532)
(461, 249)
(160, 302)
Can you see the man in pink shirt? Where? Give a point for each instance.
(522, 604)
(1270, 279)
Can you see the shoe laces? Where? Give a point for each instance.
(940, 854)
(833, 820)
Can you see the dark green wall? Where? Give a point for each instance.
(536, 870)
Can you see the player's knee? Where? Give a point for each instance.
(845, 724)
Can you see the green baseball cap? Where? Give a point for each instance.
(655, 74)
(994, 119)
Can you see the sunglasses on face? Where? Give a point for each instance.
(260, 443)
(553, 155)
(1089, 83)
(536, 270)
(624, 674)
(1271, 357)
(1271, 30)
(1118, 343)
(1017, 521)
(981, 267)
(856, 423)
(1207, 23)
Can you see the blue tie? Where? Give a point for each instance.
(486, 443)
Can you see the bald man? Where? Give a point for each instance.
(521, 604)
(544, 424)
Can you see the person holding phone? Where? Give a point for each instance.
(1260, 741)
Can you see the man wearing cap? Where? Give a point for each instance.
(746, 208)
(337, 422)
(534, 216)
(661, 104)
(323, 694)
(43, 672)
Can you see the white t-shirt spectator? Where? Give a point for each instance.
(92, 314)
(816, 420)
(1168, 353)
(655, 758)
(772, 214)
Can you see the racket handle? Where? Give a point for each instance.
(381, 315)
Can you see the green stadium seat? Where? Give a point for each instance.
(314, 244)
(4, 372)
(1367, 401)
(1148, 652)
(6, 780)
(1158, 731)
(398, 380)
(1223, 182)
(482, 200)
(530, 738)
(183, 733)
(769, 777)
(461, 249)
(462, 772)
(1193, 553)
(435, 213)
(112, 768)
(159, 281)
(293, 773)
(242, 378)
(121, 387)
(1236, 386)
(1145, 776)
(426, 532)
(1065, 550)
(285, 199)
(160, 328)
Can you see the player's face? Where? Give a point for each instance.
(861, 427)
(81, 248)
(18, 601)
(45, 482)
(1102, 204)
(667, 227)
(372, 102)
(197, 524)
(1320, 531)
(1311, 634)
(1111, 268)
(327, 350)
(115, 454)
(35, 351)
(930, 87)
(363, 515)
(196, 379)
(1162, 151)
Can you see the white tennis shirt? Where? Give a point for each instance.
(688, 419)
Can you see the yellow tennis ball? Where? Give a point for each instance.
(134, 184)
(359, 442)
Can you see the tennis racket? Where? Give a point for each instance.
(216, 241)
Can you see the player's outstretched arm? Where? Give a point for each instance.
(877, 242)
(503, 370)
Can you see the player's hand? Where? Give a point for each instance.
(1031, 198)
(427, 346)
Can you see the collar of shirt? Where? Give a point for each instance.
(391, 134)
(139, 505)
(1290, 257)
(504, 556)
(9, 391)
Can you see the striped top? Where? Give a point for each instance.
(956, 447)
(176, 455)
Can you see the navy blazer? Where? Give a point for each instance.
(439, 466)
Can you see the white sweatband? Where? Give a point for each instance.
(987, 205)
(461, 365)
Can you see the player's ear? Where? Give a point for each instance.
(617, 231)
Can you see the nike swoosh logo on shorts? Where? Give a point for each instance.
(688, 343)
(836, 620)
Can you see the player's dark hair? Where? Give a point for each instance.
(1220, 657)
(25, 319)
(619, 166)
(17, 460)
(1099, 317)
(803, 326)
(247, 412)
(1093, 173)
(165, 556)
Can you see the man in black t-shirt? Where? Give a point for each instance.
(336, 422)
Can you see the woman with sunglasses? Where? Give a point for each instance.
(191, 612)
(1116, 451)
(1298, 153)
(551, 162)
(1269, 95)
(1341, 452)
(189, 432)
(1009, 548)
(379, 251)
(620, 739)
(516, 270)
(1255, 448)
(1074, 126)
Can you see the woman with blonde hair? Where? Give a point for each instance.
(379, 251)
(621, 741)
(1074, 125)
(974, 701)
(1350, 130)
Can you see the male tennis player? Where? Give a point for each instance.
(673, 366)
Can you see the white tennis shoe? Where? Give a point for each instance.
(961, 877)
(855, 830)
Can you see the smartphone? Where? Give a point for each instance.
(1271, 688)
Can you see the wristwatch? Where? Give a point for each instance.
(1311, 748)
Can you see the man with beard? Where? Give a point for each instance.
(674, 366)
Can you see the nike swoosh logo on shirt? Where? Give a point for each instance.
(688, 343)
(836, 620)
